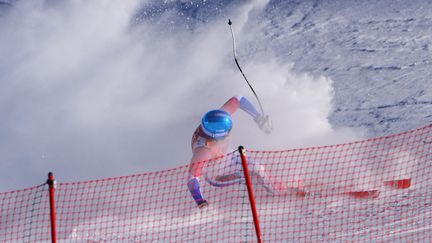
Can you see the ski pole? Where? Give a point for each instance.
(238, 66)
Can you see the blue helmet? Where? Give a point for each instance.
(216, 123)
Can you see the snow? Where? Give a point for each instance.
(377, 54)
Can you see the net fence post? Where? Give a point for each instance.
(250, 193)
(52, 185)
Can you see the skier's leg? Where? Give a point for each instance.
(233, 174)
(273, 185)
(264, 177)
(230, 173)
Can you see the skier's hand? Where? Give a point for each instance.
(203, 204)
(264, 123)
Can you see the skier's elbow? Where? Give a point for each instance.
(238, 97)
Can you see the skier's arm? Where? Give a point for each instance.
(200, 155)
(241, 102)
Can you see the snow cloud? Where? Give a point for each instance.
(87, 93)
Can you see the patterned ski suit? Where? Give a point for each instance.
(205, 147)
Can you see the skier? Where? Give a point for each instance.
(210, 140)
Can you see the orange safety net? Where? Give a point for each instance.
(375, 190)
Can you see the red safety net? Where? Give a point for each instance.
(377, 190)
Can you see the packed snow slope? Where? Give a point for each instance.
(91, 90)
(376, 52)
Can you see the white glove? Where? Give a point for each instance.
(264, 123)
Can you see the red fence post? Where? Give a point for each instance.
(51, 183)
(250, 193)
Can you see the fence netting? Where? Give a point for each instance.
(376, 190)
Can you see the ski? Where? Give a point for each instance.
(326, 190)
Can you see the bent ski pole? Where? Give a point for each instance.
(241, 71)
